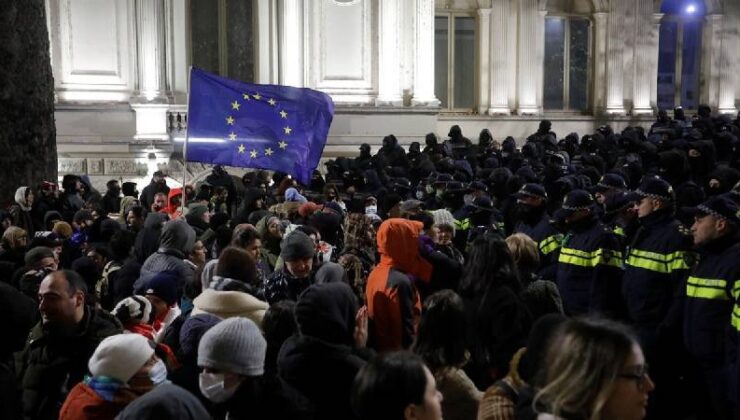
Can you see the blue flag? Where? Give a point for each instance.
(247, 125)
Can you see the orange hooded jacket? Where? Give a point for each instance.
(394, 306)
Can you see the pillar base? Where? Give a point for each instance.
(499, 110)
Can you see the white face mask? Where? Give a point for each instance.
(212, 387)
(158, 373)
(371, 210)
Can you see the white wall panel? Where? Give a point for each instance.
(92, 49)
(342, 49)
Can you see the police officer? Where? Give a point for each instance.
(657, 264)
(589, 267)
(709, 297)
(531, 203)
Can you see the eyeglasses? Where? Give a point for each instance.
(640, 376)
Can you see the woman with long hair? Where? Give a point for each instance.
(441, 343)
(595, 370)
(498, 321)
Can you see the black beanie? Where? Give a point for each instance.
(297, 246)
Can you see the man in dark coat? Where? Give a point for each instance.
(158, 185)
(59, 347)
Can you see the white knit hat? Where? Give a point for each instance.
(234, 345)
(120, 356)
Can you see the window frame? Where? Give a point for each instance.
(566, 66)
(223, 49)
(451, 15)
(680, 21)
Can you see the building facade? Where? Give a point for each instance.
(407, 67)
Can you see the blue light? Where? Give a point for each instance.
(691, 9)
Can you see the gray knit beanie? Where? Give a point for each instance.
(297, 246)
(233, 345)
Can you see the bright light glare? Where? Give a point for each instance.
(690, 9)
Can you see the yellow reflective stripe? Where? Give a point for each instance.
(736, 289)
(550, 244)
(590, 259)
(462, 224)
(662, 263)
(736, 317)
(702, 288)
(619, 230)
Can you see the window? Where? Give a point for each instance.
(222, 37)
(566, 67)
(454, 61)
(679, 54)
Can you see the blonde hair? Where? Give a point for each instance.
(524, 250)
(582, 365)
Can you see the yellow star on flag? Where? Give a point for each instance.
(230, 120)
(283, 144)
(257, 96)
(283, 114)
(253, 153)
(235, 105)
(246, 97)
(268, 152)
(241, 148)
(232, 136)
(271, 102)
(287, 130)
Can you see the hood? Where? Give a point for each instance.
(398, 244)
(154, 220)
(177, 234)
(20, 198)
(228, 304)
(49, 215)
(327, 312)
(173, 208)
(127, 202)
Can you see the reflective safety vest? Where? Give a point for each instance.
(711, 302)
(589, 271)
(656, 264)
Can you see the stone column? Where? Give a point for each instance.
(265, 42)
(528, 57)
(655, 36)
(615, 59)
(600, 27)
(484, 57)
(151, 103)
(291, 43)
(499, 58)
(727, 71)
(711, 49)
(540, 61)
(424, 66)
(389, 78)
(150, 51)
(643, 69)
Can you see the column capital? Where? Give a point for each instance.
(600, 17)
(657, 17)
(484, 12)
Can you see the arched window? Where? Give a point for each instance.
(567, 63)
(679, 55)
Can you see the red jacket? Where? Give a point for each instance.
(84, 403)
(394, 306)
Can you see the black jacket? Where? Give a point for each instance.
(53, 362)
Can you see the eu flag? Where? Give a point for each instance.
(247, 125)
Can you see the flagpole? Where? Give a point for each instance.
(185, 148)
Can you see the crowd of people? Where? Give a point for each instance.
(591, 277)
